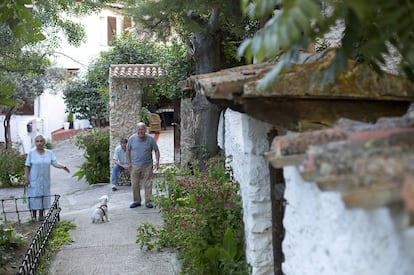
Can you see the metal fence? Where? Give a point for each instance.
(18, 209)
(40, 239)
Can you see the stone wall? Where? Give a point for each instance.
(244, 139)
(186, 130)
(124, 106)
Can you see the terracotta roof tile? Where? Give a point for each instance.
(143, 71)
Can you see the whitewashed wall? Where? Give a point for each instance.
(68, 56)
(244, 138)
(324, 237)
(51, 108)
(20, 137)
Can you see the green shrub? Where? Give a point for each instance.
(145, 115)
(96, 145)
(60, 236)
(9, 240)
(198, 208)
(49, 144)
(12, 166)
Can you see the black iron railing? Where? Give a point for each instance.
(39, 242)
(18, 209)
(12, 209)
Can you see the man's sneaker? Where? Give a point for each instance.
(149, 205)
(134, 204)
(114, 188)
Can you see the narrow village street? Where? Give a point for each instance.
(107, 248)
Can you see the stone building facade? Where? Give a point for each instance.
(125, 98)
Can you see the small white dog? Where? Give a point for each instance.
(101, 212)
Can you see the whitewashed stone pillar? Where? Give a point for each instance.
(245, 140)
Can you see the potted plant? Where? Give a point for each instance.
(70, 120)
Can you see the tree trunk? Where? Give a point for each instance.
(6, 123)
(206, 48)
(206, 52)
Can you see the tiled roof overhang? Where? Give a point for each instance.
(291, 103)
(367, 162)
(365, 149)
(142, 72)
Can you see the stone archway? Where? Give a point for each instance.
(125, 98)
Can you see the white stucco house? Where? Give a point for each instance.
(49, 109)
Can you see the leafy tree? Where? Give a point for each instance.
(208, 27)
(24, 50)
(176, 66)
(28, 85)
(18, 28)
(25, 23)
(88, 96)
(372, 30)
(85, 100)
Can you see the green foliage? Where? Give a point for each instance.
(6, 93)
(70, 117)
(221, 22)
(176, 66)
(198, 208)
(9, 240)
(19, 21)
(89, 96)
(85, 99)
(49, 144)
(145, 115)
(225, 258)
(96, 145)
(60, 236)
(372, 29)
(23, 48)
(187, 16)
(12, 166)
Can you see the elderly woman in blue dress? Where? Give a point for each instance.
(37, 176)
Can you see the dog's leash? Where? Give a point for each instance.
(23, 197)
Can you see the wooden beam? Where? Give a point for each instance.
(372, 197)
(282, 161)
(301, 115)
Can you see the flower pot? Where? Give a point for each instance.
(66, 125)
